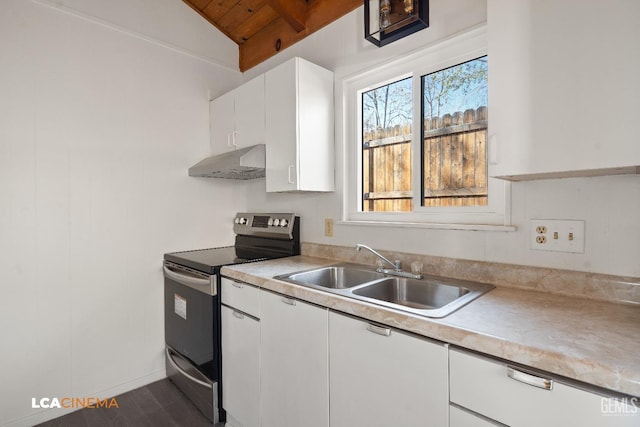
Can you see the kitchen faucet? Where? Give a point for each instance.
(397, 265)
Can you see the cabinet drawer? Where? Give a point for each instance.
(517, 397)
(241, 296)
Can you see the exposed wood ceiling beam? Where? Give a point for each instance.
(292, 11)
(278, 35)
(262, 28)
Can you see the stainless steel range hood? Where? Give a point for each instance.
(243, 163)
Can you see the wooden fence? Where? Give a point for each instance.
(454, 163)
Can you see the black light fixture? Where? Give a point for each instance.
(386, 21)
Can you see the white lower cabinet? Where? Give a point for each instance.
(240, 368)
(461, 418)
(240, 353)
(288, 363)
(384, 377)
(294, 389)
(523, 398)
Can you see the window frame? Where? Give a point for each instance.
(444, 54)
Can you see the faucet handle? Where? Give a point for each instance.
(416, 267)
(398, 264)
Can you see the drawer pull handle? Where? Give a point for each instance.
(289, 301)
(237, 314)
(529, 379)
(172, 355)
(237, 285)
(385, 332)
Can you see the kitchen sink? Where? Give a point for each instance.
(430, 297)
(411, 293)
(335, 277)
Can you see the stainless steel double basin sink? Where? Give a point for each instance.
(430, 297)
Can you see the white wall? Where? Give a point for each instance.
(609, 205)
(98, 125)
(169, 23)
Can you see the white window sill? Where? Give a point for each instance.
(431, 225)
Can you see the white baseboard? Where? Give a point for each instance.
(49, 414)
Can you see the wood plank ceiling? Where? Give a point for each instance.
(262, 28)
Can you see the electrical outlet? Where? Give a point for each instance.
(557, 235)
(328, 227)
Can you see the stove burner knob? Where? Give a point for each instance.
(243, 221)
(270, 222)
(276, 222)
(283, 222)
(237, 221)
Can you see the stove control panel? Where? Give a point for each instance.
(276, 225)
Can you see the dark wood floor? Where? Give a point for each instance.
(157, 404)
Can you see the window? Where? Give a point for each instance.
(453, 144)
(387, 113)
(417, 136)
(454, 135)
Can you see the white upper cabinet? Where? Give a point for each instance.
(222, 123)
(237, 118)
(250, 113)
(563, 88)
(299, 127)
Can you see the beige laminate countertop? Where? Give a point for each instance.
(590, 341)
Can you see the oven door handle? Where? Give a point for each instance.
(200, 284)
(177, 367)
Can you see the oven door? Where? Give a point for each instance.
(190, 307)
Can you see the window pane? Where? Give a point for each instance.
(386, 151)
(454, 152)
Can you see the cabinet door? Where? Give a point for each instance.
(299, 129)
(489, 388)
(563, 98)
(382, 377)
(460, 418)
(315, 129)
(294, 363)
(249, 113)
(281, 127)
(222, 123)
(240, 368)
